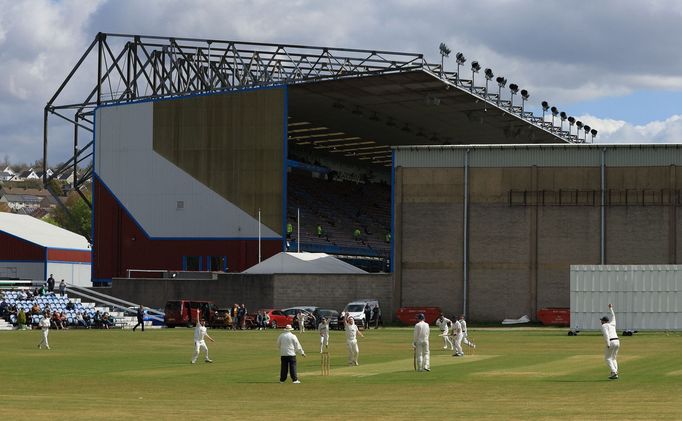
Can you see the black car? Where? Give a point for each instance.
(331, 315)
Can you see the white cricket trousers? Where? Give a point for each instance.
(199, 345)
(353, 351)
(447, 342)
(458, 343)
(324, 341)
(44, 341)
(610, 355)
(467, 341)
(423, 356)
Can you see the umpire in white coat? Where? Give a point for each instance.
(288, 345)
(420, 343)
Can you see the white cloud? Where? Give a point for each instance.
(560, 54)
(618, 131)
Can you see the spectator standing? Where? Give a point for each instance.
(140, 318)
(288, 345)
(199, 341)
(368, 316)
(50, 283)
(241, 313)
(376, 316)
(259, 320)
(45, 327)
(357, 234)
(420, 343)
(62, 288)
(21, 319)
(266, 320)
(319, 231)
(235, 318)
(290, 230)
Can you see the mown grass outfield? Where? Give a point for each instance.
(515, 374)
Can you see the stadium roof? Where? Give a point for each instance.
(357, 101)
(40, 232)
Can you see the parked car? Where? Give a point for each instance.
(221, 318)
(356, 309)
(187, 312)
(310, 320)
(277, 318)
(330, 314)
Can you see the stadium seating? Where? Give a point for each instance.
(339, 207)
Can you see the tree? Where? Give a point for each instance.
(77, 219)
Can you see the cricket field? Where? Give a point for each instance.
(514, 374)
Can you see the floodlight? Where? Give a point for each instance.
(545, 107)
(514, 88)
(524, 97)
(444, 50)
(475, 67)
(579, 124)
(563, 116)
(571, 122)
(594, 132)
(460, 59)
(488, 76)
(489, 73)
(555, 112)
(501, 81)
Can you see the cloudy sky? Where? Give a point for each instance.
(614, 64)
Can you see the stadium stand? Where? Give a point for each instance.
(71, 307)
(339, 207)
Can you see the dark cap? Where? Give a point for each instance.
(604, 319)
(420, 316)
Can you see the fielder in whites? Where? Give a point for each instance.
(444, 324)
(199, 342)
(324, 334)
(45, 327)
(457, 337)
(352, 340)
(465, 336)
(420, 343)
(608, 329)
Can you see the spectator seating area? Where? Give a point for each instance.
(339, 207)
(11, 303)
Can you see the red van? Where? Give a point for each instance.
(187, 312)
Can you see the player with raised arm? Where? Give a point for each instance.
(608, 329)
(351, 339)
(199, 342)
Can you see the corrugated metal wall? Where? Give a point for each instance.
(498, 156)
(645, 297)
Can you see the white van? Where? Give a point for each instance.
(356, 309)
